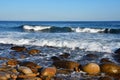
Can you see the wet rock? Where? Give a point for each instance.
(48, 73)
(90, 57)
(33, 51)
(13, 62)
(105, 60)
(26, 76)
(18, 48)
(33, 66)
(116, 57)
(91, 68)
(25, 70)
(3, 58)
(54, 58)
(117, 51)
(64, 71)
(105, 78)
(67, 65)
(4, 76)
(110, 68)
(65, 55)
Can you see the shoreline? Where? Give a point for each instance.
(47, 54)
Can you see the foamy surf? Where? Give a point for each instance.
(84, 41)
(35, 28)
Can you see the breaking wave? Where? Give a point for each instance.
(53, 29)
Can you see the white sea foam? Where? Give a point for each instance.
(90, 30)
(35, 28)
(100, 43)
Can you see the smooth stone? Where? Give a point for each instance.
(25, 70)
(63, 71)
(110, 68)
(33, 51)
(67, 65)
(48, 72)
(12, 62)
(26, 76)
(54, 58)
(91, 68)
(33, 66)
(64, 55)
(19, 48)
(105, 60)
(4, 76)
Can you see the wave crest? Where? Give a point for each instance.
(53, 29)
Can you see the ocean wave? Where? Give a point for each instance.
(53, 29)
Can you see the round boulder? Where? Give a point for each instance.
(91, 68)
(48, 72)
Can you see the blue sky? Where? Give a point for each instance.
(60, 10)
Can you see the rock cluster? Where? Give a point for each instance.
(14, 69)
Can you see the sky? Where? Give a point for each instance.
(60, 10)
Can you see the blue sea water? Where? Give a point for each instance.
(100, 36)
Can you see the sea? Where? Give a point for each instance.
(100, 36)
(54, 38)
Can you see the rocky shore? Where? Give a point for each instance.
(33, 63)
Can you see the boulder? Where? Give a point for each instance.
(33, 51)
(12, 62)
(33, 66)
(110, 68)
(54, 58)
(4, 76)
(67, 65)
(91, 56)
(117, 51)
(91, 68)
(48, 73)
(25, 70)
(18, 48)
(105, 60)
(65, 55)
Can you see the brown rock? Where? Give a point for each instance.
(25, 70)
(64, 71)
(4, 76)
(33, 66)
(110, 68)
(54, 58)
(33, 51)
(91, 68)
(18, 48)
(90, 57)
(105, 60)
(48, 73)
(65, 55)
(67, 65)
(12, 62)
(3, 58)
(26, 76)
